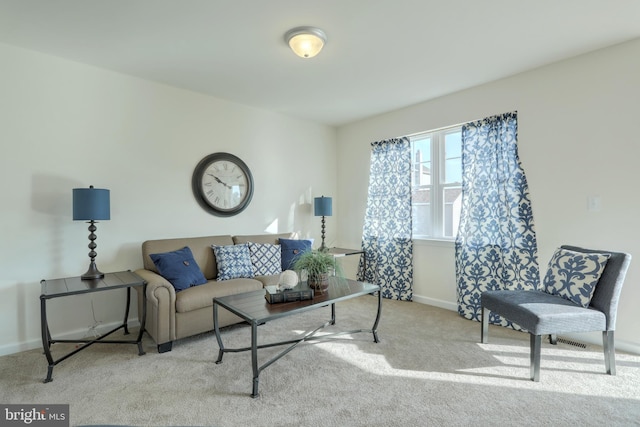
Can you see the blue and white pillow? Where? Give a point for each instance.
(233, 261)
(574, 275)
(265, 259)
(179, 268)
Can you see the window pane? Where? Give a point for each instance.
(421, 174)
(421, 149)
(436, 183)
(452, 203)
(422, 220)
(421, 211)
(421, 152)
(453, 158)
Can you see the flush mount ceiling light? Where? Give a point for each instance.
(306, 42)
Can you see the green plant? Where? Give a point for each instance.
(317, 263)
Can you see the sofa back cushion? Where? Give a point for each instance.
(272, 239)
(200, 247)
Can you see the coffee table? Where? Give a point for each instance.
(255, 310)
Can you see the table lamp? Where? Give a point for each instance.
(322, 207)
(91, 205)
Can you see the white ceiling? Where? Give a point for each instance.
(381, 55)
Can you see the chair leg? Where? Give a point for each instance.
(609, 352)
(536, 343)
(484, 332)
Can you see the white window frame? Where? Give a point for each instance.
(437, 186)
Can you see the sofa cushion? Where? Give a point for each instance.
(574, 275)
(200, 247)
(202, 296)
(179, 268)
(291, 249)
(262, 238)
(233, 261)
(265, 258)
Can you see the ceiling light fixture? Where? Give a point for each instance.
(306, 42)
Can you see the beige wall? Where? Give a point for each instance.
(577, 138)
(66, 125)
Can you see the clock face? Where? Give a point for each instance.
(222, 184)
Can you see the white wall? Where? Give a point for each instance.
(66, 125)
(577, 138)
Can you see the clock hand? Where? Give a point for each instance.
(218, 179)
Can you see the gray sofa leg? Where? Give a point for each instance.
(484, 332)
(164, 347)
(609, 352)
(536, 344)
(553, 339)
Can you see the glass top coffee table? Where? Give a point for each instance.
(255, 310)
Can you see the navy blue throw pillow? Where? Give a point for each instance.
(179, 268)
(290, 250)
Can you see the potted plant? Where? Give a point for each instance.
(318, 264)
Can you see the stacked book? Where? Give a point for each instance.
(300, 292)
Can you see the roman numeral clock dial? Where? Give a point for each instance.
(222, 184)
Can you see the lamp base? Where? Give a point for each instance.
(323, 248)
(92, 273)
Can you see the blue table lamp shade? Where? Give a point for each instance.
(91, 205)
(322, 206)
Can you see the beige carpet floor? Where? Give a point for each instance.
(428, 369)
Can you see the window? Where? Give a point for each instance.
(436, 183)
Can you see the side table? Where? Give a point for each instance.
(58, 288)
(340, 252)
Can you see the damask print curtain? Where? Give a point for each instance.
(386, 236)
(496, 245)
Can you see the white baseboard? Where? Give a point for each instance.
(77, 334)
(447, 305)
(595, 338)
(627, 346)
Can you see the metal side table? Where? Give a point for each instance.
(58, 288)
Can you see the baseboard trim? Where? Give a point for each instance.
(37, 343)
(447, 305)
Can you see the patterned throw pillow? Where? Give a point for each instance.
(265, 259)
(574, 275)
(179, 268)
(291, 249)
(233, 261)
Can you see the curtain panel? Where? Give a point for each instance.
(386, 236)
(496, 246)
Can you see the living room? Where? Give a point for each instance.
(69, 124)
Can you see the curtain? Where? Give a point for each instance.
(386, 236)
(496, 245)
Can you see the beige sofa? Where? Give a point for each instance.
(174, 315)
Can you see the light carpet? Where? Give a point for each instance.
(428, 369)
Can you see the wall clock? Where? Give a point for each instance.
(222, 184)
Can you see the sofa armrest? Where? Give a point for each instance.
(161, 307)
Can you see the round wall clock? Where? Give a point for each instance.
(222, 184)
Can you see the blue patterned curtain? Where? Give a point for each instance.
(496, 245)
(386, 235)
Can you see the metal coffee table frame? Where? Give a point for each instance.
(255, 310)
